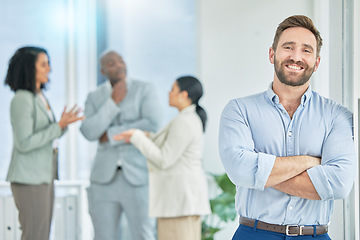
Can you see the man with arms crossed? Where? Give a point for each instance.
(289, 151)
(119, 177)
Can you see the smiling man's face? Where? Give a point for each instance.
(295, 58)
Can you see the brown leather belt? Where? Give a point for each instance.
(289, 230)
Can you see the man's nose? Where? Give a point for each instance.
(296, 55)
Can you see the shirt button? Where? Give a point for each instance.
(291, 208)
(290, 134)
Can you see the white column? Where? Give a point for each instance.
(320, 82)
(70, 92)
(356, 94)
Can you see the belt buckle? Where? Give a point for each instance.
(287, 230)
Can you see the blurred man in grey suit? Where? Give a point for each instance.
(119, 177)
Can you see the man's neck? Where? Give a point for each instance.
(289, 96)
(115, 82)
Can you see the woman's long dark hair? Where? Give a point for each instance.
(21, 71)
(194, 89)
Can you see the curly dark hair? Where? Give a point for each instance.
(21, 71)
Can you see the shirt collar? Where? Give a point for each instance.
(190, 108)
(305, 98)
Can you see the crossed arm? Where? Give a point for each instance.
(289, 175)
(98, 124)
(300, 176)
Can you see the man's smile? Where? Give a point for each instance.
(294, 67)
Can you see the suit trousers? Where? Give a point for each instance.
(107, 203)
(179, 228)
(35, 204)
(246, 233)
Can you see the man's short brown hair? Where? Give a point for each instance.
(298, 21)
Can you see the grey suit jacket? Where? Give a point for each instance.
(33, 133)
(139, 109)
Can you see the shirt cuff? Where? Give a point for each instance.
(59, 131)
(320, 181)
(136, 136)
(265, 165)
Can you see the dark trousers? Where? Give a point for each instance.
(246, 233)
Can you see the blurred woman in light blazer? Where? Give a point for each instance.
(33, 166)
(177, 182)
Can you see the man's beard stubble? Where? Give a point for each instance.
(280, 73)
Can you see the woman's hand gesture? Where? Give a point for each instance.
(69, 117)
(126, 135)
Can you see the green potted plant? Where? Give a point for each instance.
(222, 207)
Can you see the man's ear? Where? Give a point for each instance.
(317, 63)
(271, 55)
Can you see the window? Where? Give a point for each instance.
(157, 45)
(27, 24)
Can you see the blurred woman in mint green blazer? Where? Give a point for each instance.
(33, 166)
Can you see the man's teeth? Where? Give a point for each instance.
(294, 67)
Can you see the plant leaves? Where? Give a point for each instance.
(224, 206)
(208, 232)
(225, 184)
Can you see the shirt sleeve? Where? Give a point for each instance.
(97, 121)
(244, 166)
(334, 178)
(178, 138)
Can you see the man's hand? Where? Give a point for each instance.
(119, 91)
(104, 138)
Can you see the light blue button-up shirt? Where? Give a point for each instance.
(255, 130)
